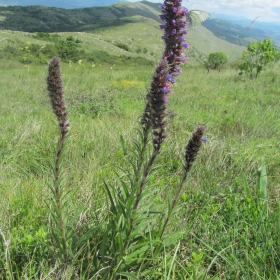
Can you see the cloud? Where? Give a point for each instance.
(268, 10)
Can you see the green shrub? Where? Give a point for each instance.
(257, 57)
(52, 37)
(216, 60)
(122, 46)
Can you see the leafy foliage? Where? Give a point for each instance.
(216, 60)
(52, 37)
(122, 46)
(68, 50)
(257, 56)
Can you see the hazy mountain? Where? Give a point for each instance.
(249, 23)
(50, 19)
(71, 4)
(240, 31)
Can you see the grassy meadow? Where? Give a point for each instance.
(229, 214)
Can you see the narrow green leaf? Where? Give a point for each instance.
(128, 275)
(130, 258)
(104, 245)
(85, 238)
(262, 182)
(123, 145)
(246, 186)
(111, 198)
(173, 260)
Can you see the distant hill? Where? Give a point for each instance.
(214, 35)
(72, 16)
(48, 19)
(249, 23)
(232, 32)
(242, 31)
(72, 4)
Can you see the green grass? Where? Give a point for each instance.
(228, 233)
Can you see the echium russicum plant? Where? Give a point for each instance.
(59, 199)
(167, 70)
(133, 231)
(153, 118)
(174, 32)
(164, 77)
(165, 74)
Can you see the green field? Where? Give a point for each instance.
(230, 228)
(101, 203)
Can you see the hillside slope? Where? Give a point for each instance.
(206, 42)
(241, 35)
(50, 19)
(135, 24)
(59, 3)
(47, 19)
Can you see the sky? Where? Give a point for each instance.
(266, 10)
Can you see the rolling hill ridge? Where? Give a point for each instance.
(59, 3)
(125, 22)
(50, 19)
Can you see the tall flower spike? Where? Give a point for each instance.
(173, 15)
(155, 108)
(56, 93)
(167, 70)
(193, 147)
(191, 152)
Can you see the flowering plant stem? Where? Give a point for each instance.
(56, 95)
(191, 152)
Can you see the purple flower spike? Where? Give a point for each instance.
(174, 24)
(183, 12)
(182, 24)
(205, 139)
(181, 59)
(184, 31)
(169, 77)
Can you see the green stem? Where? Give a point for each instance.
(58, 192)
(138, 196)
